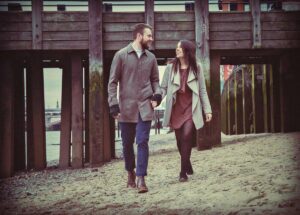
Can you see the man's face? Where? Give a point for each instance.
(147, 39)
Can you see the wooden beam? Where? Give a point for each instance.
(65, 128)
(265, 98)
(7, 119)
(19, 119)
(253, 82)
(149, 17)
(284, 66)
(37, 36)
(86, 114)
(77, 111)
(256, 26)
(96, 84)
(38, 112)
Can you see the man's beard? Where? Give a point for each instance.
(144, 44)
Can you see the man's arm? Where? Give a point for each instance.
(154, 78)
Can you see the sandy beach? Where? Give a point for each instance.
(253, 174)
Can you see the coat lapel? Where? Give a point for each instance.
(192, 82)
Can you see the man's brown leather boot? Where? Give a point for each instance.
(141, 185)
(131, 179)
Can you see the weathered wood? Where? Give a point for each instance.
(243, 98)
(38, 112)
(253, 82)
(265, 98)
(280, 26)
(280, 35)
(70, 16)
(11, 17)
(123, 17)
(174, 17)
(179, 26)
(65, 45)
(37, 36)
(284, 65)
(66, 36)
(256, 25)
(281, 44)
(15, 45)
(272, 101)
(235, 102)
(77, 112)
(215, 98)
(19, 117)
(230, 27)
(259, 116)
(96, 85)
(86, 113)
(13, 36)
(220, 35)
(174, 35)
(149, 17)
(65, 26)
(16, 27)
(286, 16)
(7, 119)
(66, 104)
(223, 45)
(235, 17)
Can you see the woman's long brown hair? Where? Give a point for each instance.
(189, 51)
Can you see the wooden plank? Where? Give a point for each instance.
(13, 36)
(237, 35)
(265, 98)
(13, 16)
(66, 36)
(86, 112)
(66, 103)
(272, 100)
(38, 109)
(96, 85)
(281, 44)
(16, 27)
(149, 18)
(230, 27)
(15, 45)
(65, 16)
(222, 45)
(259, 110)
(65, 45)
(120, 36)
(235, 17)
(174, 17)
(37, 36)
(120, 44)
(253, 128)
(256, 25)
(112, 17)
(235, 102)
(174, 35)
(281, 35)
(179, 26)
(247, 98)
(243, 98)
(280, 26)
(284, 65)
(19, 116)
(286, 16)
(65, 26)
(7, 119)
(77, 109)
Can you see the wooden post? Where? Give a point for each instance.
(86, 113)
(253, 100)
(235, 103)
(37, 8)
(77, 111)
(215, 99)
(256, 26)
(65, 128)
(149, 17)
(97, 100)
(284, 65)
(228, 107)
(37, 114)
(265, 99)
(272, 101)
(7, 119)
(19, 119)
(243, 98)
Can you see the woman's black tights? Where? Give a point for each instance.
(184, 137)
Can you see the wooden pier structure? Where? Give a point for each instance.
(83, 44)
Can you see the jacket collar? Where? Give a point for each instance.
(176, 77)
(130, 49)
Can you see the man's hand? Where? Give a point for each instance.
(208, 117)
(117, 116)
(154, 104)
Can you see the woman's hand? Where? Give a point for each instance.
(208, 117)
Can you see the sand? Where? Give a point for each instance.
(253, 174)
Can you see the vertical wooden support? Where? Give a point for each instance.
(243, 98)
(149, 17)
(235, 103)
(215, 99)
(97, 101)
(253, 129)
(65, 128)
(37, 114)
(256, 26)
(86, 113)
(19, 119)
(29, 117)
(228, 108)
(37, 9)
(284, 65)
(265, 98)
(77, 111)
(7, 119)
(272, 101)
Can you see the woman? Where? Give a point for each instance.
(184, 85)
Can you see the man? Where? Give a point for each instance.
(135, 69)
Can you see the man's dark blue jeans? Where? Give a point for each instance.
(141, 131)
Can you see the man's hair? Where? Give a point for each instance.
(139, 28)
